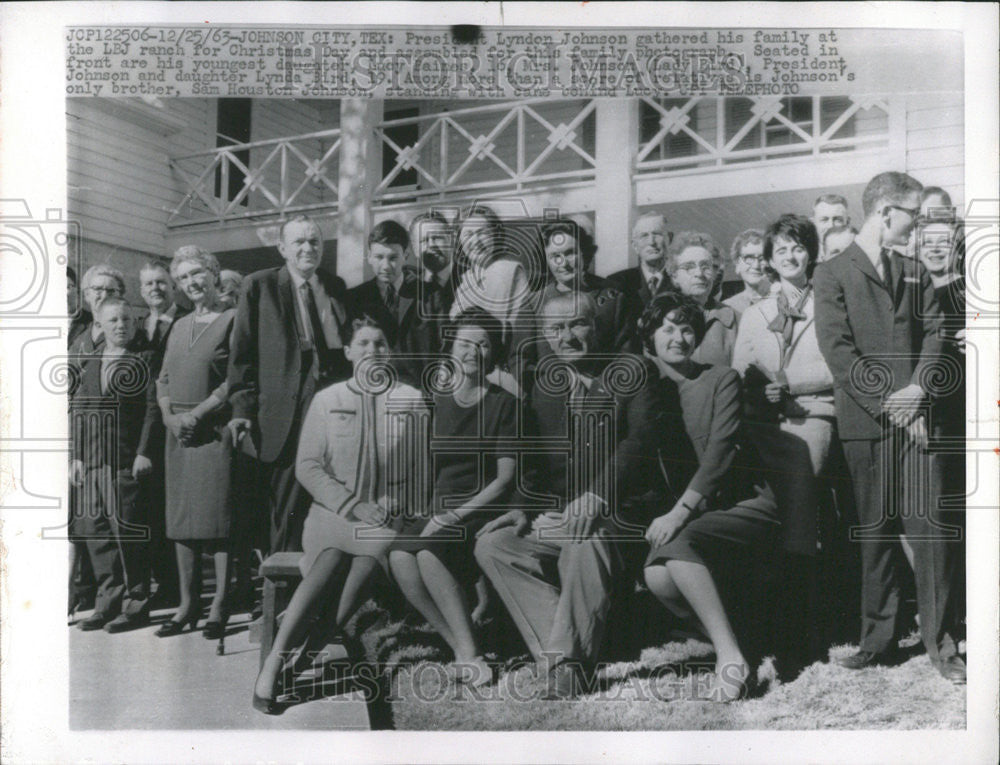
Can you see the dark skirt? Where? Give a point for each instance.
(740, 530)
(199, 499)
(454, 549)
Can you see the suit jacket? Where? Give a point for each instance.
(630, 470)
(632, 280)
(99, 440)
(267, 382)
(859, 321)
(416, 326)
(77, 325)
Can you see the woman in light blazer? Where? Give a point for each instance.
(361, 449)
(790, 414)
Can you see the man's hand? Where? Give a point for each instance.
(917, 430)
(580, 515)
(238, 427)
(76, 472)
(903, 405)
(369, 512)
(665, 528)
(518, 519)
(960, 340)
(141, 466)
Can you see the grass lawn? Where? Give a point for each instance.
(657, 691)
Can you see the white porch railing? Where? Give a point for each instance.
(506, 145)
(283, 175)
(761, 130)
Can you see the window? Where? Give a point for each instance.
(233, 127)
(403, 136)
(672, 145)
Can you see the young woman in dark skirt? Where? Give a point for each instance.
(472, 465)
(721, 520)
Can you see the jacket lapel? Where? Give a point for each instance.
(861, 262)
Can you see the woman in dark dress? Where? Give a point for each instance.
(473, 473)
(191, 392)
(721, 519)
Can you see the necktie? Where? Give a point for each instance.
(887, 271)
(391, 299)
(316, 325)
(653, 283)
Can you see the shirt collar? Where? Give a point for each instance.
(648, 273)
(441, 278)
(298, 281)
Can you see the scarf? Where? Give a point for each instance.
(784, 322)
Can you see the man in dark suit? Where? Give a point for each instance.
(393, 298)
(557, 574)
(433, 242)
(286, 344)
(111, 419)
(878, 321)
(649, 243)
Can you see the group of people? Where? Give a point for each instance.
(495, 424)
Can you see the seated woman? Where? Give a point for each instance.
(790, 418)
(720, 521)
(473, 473)
(694, 262)
(355, 437)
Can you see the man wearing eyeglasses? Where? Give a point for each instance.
(747, 255)
(878, 323)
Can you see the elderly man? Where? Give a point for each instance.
(649, 244)
(99, 283)
(830, 210)
(875, 307)
(556, 574)
(286, 344)
(157, 291)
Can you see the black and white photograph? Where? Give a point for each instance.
(629, 373)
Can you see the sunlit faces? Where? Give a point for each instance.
(115, 321)
(674, 342)
(434, 245)
(936, 248)
(196, 281)
(649, 239)
(826, 216)
(471, 350)
(99, 289)
(898, 219)
(477, 239)
(155, 288)
(790, 260)
(367, 343)
(750, 264)
(834, 244)
(695, 272)
(386, 261)
(569, 334)
(301, 246)
(563, 258)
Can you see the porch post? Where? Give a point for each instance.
(617, 145)
(360, 173)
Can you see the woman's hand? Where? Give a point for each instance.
(665, 528)
(775, 392)
(76, 472)
(517, 519)
(141, 466)
(445, 523)
(369, 512)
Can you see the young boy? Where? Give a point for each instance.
(112, 416)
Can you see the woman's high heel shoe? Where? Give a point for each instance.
(270, 706)
(215, 628)
(175, 627)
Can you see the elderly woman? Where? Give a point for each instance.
(722, 519)
(360, 440)
(694, 261)
(473, 475)
(99, 283)
(747, 256)
(191, 392)
(791, 419)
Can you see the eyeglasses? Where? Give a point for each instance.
(750, 260)
(705, 268)
(105, 290)
(913, 212)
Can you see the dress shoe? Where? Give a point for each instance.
(953, 670)
(126, 622)
(94, 622)
(176, 627)
(564, 681)
(214, 628)
(863, 659)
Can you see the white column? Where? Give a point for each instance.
(617, 145)
(360, 173)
